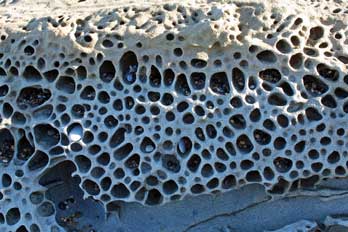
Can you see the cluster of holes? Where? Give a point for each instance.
(24, 204)
(141, 130)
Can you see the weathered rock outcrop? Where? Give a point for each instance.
(152, 103)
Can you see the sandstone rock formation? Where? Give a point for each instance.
(112, 106)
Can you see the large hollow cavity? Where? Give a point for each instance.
(32, 97)
(129, 66)
(46, 135)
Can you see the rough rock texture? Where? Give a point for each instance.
(108, 105)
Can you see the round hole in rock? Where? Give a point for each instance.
(107, 71)
(262, 137)
(120, 191)
(341, 93)
(129, 67)
(88, 93)
(334, 157)
(327, 72)
(237, 121)
(66, 84)
(197, 189)
(197, 80)
(24, 148)
(107, 43)
(167, 99)
(75, 132)
(81, 72)
(329, 101)
(279, 143)
(170, 187)
(31, 74)
(22, 229)
(133, 161)
(147, 145)
(268, 173)
(154, 197)
(51, 75)
(244, 144)
(266, 56)
(213, 183)
(283, 46)
(313, 114)
(29, 50)
(78, 111)
(91, 187)
(13, 216)
(6, 180)
(168, 77)
(46, 135)
(103, 97)
(238, 79)
(282, 165)
(7, 110)
(316, 33)
(3, 90)
(277, 99)
(228, 182)
(193, 163)
(211, 131)
(105, 183)
(18, 119)
(198, 63)
(296, 60)
(314, 86)
(253, 176)
(171, 163)
(181, 85)
(184, 146)
(270, 75)
(32, 96)
(188, 118)
(219, 83)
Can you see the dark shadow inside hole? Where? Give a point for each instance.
(181, 85)
(31, 74)
(270, 75)
(327, 72)
(6, 146)
(198, 80)
(32, 96)
(219, 83)
(64, 191)
(38, 160)
(24, 148)
(238, 79)
(314, 86)
(267, 56)
(66, 84)
(155, 77)
(129, 67)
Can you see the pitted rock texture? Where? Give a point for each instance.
(154, 103)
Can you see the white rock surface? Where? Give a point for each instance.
(157, 101)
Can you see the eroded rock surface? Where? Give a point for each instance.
(153, 103)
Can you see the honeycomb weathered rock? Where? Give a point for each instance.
(154, 103)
